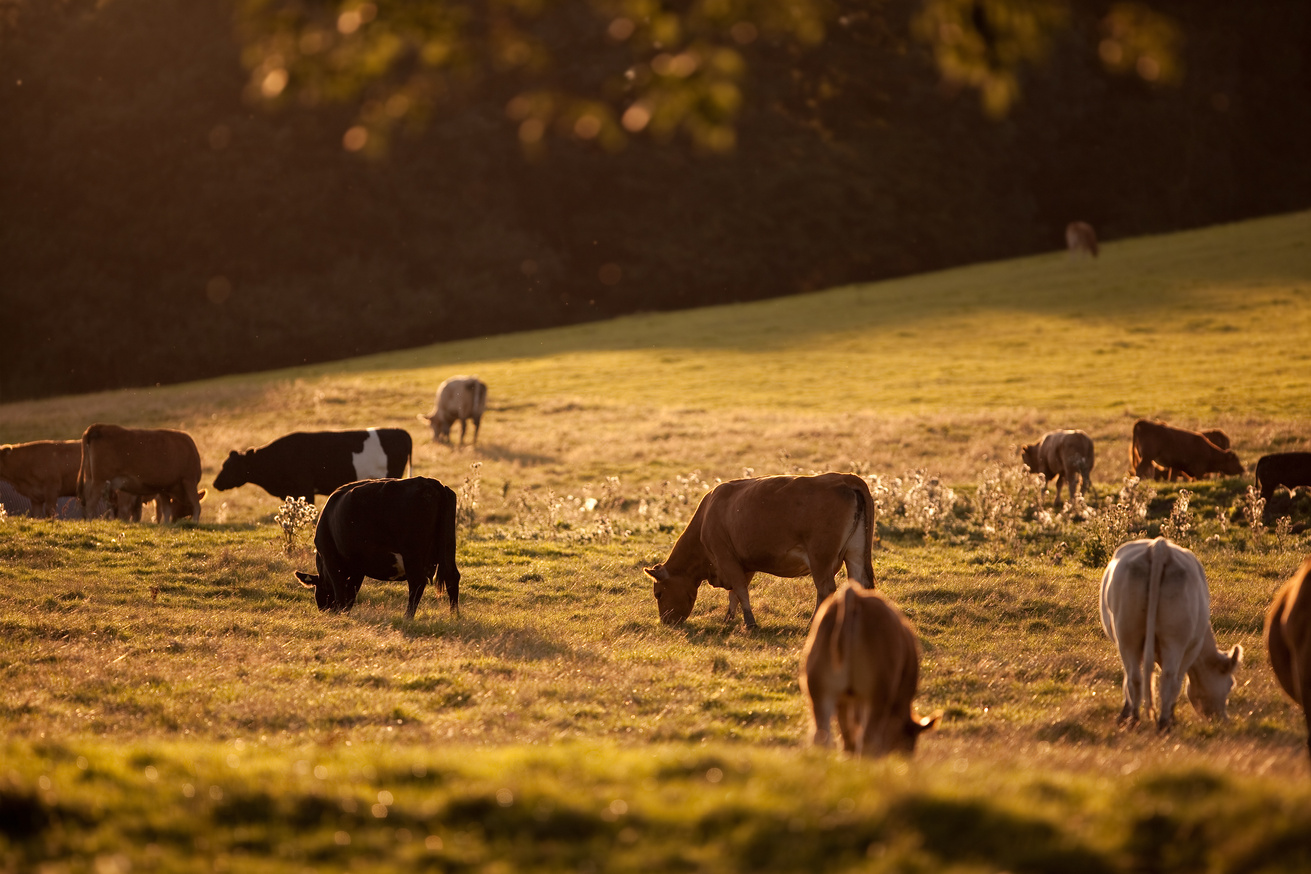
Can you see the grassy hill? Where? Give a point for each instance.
(170, 692)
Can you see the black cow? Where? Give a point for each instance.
(386, 529)
(1288, 469)
(309, 463)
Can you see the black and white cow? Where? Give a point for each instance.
(309, 463)
(385, 529)
(1288, 469)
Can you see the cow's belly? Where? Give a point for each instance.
(371, 461)
(382, 566)
(792, 563)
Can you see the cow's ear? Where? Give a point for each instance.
(309, 581)
(924, 725)
(232, 454)
(656, 573)
(1235, 658)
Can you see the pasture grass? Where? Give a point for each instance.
(171, 695)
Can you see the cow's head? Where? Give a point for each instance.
(1210, 680)
(675, 595)
(440, 424)
(1029, 454)
(235, 472)
(1229, 463)
(905, 732)
(323, 593)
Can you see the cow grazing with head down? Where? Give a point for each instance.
(385, 529)
(309, 463)
(1215, 435)
(1156, 444)
(788, 526)
(1081, 239)
(1288, 640)
(1062, 457)
(1156, 608)
(861, 663)
(460, 397)
(42, 471)
(139, 461)
(1288, 469)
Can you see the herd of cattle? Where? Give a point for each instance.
(860, 661)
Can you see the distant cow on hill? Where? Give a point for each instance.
(1288, 640)
(1156, 444)
(788, 526)
(1288, 469)
(1156, 608)
(460, 397)
(139, 461)
(385, 529)
(42, 471)
(309, 463)
(860, 662)
(1062, 457)
(1081, 239)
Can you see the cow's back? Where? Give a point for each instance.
(159, 456)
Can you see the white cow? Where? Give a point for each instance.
(460, 397)
(1156, 608)
(1062, 457)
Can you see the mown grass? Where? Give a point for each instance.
(191, 653)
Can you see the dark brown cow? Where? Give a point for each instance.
(861, 663)
(1288, 640)
(787, 526)
(1215, 435)
(1288, 469)
(1156, 444)
(139, 461)
(42, 471)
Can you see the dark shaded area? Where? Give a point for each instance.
(155, 228)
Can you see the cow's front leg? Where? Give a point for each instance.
(740, 594)
(732, 607)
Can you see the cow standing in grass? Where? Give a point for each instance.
(1156, 609)
(1158, 445)
(1062, 457)
(1287, 469)
(139, 461)
(788, 526)
(42, 471)
(860, 663)
(308, 463)
(385, 529)
(460, 397)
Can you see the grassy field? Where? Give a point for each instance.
(172, 700)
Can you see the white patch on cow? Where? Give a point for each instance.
(370, 462)
(400, 566)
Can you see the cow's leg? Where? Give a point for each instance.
(748, 617)
(821, 710)
(1305, 691)
(732, 607)
(418, 582)
(849, 724)
(463, 427)
(477, 423)
(1133, 692)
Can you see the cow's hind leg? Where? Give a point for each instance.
(418, 582)
(1133, 692)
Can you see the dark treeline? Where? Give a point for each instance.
(155, 228)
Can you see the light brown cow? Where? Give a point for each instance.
(460, 397)
(1288, 640)
(1062, 457)
(1158, 445)
(139, 461)
(1081, 239)
(42, 471)
(788, 526)
(1156, 608)
(861, 663)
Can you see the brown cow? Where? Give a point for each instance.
(861, 660)
(1288, 640)
(1156, 444)
(1215, 435)
(1062, 457)
(1081, 239)
(139, 461)
(788, 526)
(42, 471)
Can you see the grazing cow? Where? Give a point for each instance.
(139, 461)
(1215, 435)
(861, 659)
(1156, 444)
(309, 463)
(1288, 469)
(460, 397)
(1156, 609)
(1081, 239)
(788, 526)
(386, 529)
(1288, 640)
(1062, 457)
(42, 471)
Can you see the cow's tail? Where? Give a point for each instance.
(865, 521)
(1158, 556)
(84, 496)
(842, 642)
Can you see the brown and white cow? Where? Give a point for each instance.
(460, 397)
(1158, 445)
(139, 461)
(1062, 457)
(1156, 608)
(787, 526)
(42, 471)
(1288, 640)
(1081, 239)
(861, 663)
